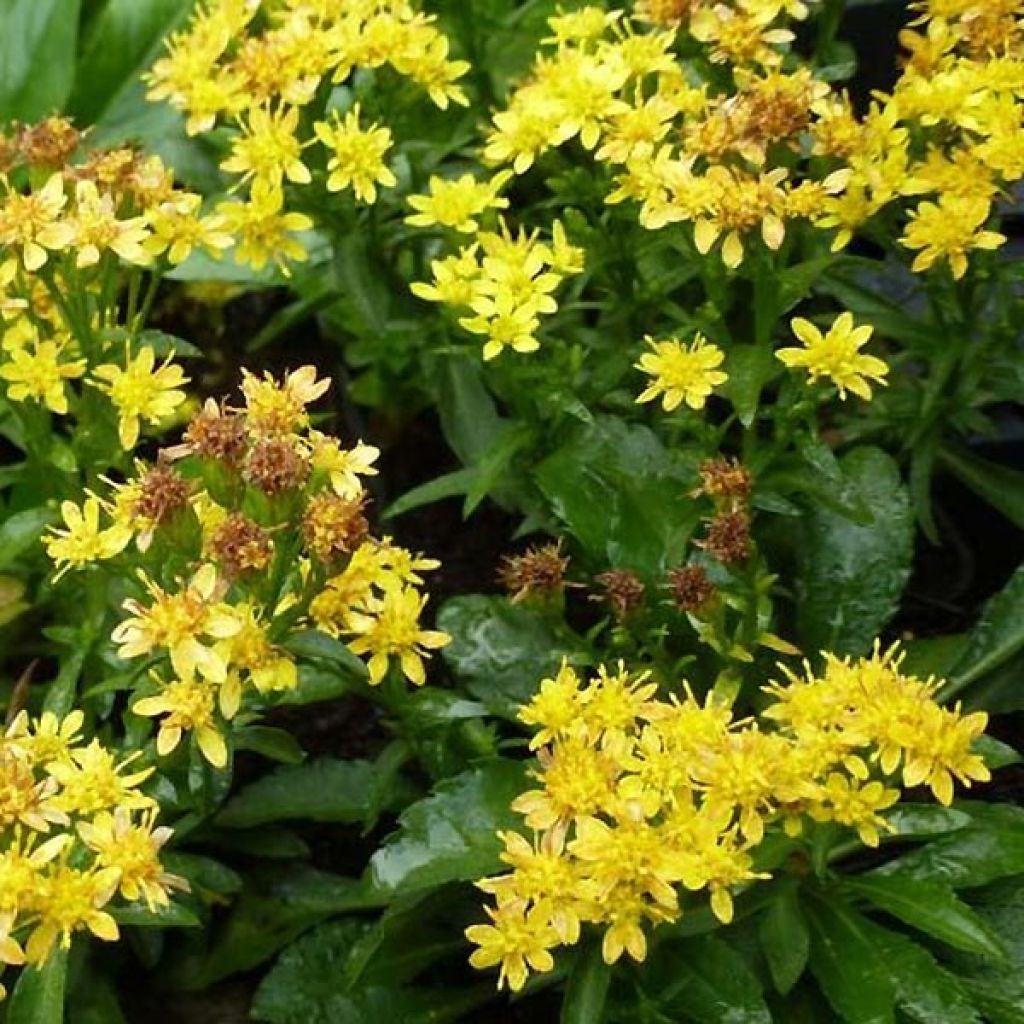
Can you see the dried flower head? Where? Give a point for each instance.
(691, 588)
(216, 433)
(538, 571)
(728, 538)
(275, 465)
(622, 589)
(162, 492)
(48, 144)
(333, 526)
(725, 478)
(239, 545)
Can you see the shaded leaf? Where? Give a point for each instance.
(785, 940)
(38, 997)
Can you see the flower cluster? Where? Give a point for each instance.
(76, 832)
(640, 797)
(251, 530)
(504, 281)
(257, 68)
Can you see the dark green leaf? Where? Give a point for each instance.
(931, 907)
(501, 651)
(317, 683)
(587, 989)
(450, 835)
(469, 418)
(37, 57)
(448, 486)
(1001, 487)
(38, 997)
(204, 874)
(750, 367)
(852, 575)
(321, 647)
(785, 940)
(924, 821)
(277, 744)
(174, 915)
(995, 753)
(848, 965)
(21, 531)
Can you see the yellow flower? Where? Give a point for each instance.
(92, 780)
(39, 372)
(457, 202)
(949, 229)
(836, 355)
(189, 706)
(97, 229)
(32, 222)
(506, 322)
(394, 629)
(83, 541)
(67, 901)
(177, 229)
(681, 372)
(517, 939)
(263, 231)
(141, 392)
(343, 466)
(357, 155)
(280, 408)
(848, 802)
(454, 276)
(267, 148)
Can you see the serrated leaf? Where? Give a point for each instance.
(852, 575)
(931, 907)
(450, 835)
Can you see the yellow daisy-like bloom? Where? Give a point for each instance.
(189, 706)
(949, 229)
(141, 392)
(394, 629)
(273, 407)
(682, 373)
(97, 229)
(265, 232)
(92, 780)
(357, 155)
(836, 355)
(177, 229)
(32, 222)
(518, 939)
(83, 541)
(38, 372)
(457, 202)
(267, 148)
(343, 466)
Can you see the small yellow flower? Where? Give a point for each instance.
(39, 372)
(263, 229)
(141, 392)
(189, 706)
(280, 408)
(343, 466)
(949, 229)
(682, 373)
(177, 228)
(836, 355)
(518, 939)
(67, 901)
(267, 148)
(83, 541)
(456, 203)
(357, 155)
(32, 222)
(97, 229)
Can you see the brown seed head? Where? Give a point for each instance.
(239, 545)
(623, 590)
(48, 144)
(540, 570)
(217, 433)
(691, 588)
(333, 526)
(273, 465)
(728, 538)
(726, 478)
(163, 491)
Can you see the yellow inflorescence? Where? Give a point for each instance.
(269, 512)
(641, 798)
(76, 831)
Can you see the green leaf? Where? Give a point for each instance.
(450, 835)
(703, 979)
(621, 494)
(318, 683)
(174, 915)
(847, 963)
(995, 753)
(37, 57)
(204, 874)
(997, 637)
(38, 997)
(120, 42)
(1000, 486)
(469, 417)
(852, 575)
(276, 906)
(449, 485)
(785, 940)
(321, 647)
(750, 367)
(501, 651)
(326, 789)
(587, 988)
(931, 907)
(21, 531)
(924, 821)
(276, 744)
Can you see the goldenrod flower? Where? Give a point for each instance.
(505, 322)
(70, 899)
(263, 230)
(97, 229)
(268, 149)
(457, 202)
(189, 706)
(357, 155)
(343, 466)
(31, 222)
(682, 373)
(836, 355)
(141, 391)
(393, 629)
(518, 939)
(280, 408)
(83, 541)
(949, 229)
(177, 229)
(39, 371)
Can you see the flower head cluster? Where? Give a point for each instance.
(76, 833)
(267, 515)
(642, 799)
(681, 373)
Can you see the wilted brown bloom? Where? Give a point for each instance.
(162, 492)
(539, 570)
(724, 478)
(333, 526)
(623, 590)
(691, 588)
(273, 465)
(239, 545)
(216, 433)
(728, 538)
(48, 144)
